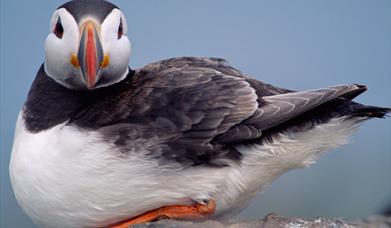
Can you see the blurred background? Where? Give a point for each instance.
(301, 44)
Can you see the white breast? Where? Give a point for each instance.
(66, 177)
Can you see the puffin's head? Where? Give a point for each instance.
(87, 46)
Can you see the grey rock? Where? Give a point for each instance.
(273, 220)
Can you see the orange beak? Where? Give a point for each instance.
(90, 54)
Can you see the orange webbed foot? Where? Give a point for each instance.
(196, 211)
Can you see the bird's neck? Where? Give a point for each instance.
(49, 103)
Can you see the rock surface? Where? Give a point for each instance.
(273, 220)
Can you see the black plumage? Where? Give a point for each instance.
(98, 8)
(199, 108)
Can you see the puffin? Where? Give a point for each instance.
(98, 144)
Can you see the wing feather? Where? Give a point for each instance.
(282, 107)
(196, 106)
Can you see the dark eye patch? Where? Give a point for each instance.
(120, 29)
(58, 29)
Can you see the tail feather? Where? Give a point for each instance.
(371, 112)
(340, 107)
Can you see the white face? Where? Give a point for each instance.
(87, 55)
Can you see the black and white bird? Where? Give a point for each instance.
(98, 144)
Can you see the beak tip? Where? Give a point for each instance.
(90, 87)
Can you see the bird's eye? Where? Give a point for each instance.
(58, 29)
(120, 29)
